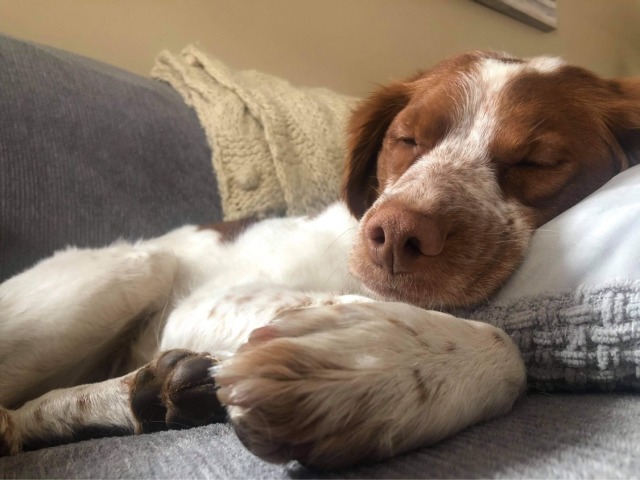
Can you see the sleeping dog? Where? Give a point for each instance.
(313, 335)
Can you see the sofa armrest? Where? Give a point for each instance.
(90, 153)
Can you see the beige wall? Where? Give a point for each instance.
(349, 45)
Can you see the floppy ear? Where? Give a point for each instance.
(623, 117)
(366, 130)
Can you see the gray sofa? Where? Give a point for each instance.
(88, 154)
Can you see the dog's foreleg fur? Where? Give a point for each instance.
(68, 414)
(340, 384)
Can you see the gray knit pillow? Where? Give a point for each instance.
(582, 339)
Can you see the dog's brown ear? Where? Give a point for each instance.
(367, 127)
(623, 117)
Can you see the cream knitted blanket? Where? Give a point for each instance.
(276, 149)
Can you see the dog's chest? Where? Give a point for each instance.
(309, 254)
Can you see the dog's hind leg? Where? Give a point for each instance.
(63, 319)
(176, 390)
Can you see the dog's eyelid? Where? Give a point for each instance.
(411, 141)
(528, 162)
(533, 162)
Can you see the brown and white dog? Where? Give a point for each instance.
(311, 334)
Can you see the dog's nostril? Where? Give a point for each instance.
(376, 235)
(412, 247)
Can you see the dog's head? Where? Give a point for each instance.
(452, 170)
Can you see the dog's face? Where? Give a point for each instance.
(453, 170)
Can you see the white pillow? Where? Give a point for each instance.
(595, 242)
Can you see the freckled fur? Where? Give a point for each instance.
(421, 388)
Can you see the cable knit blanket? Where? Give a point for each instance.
(278, 148)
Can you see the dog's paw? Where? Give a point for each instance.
(10, 444)
(176, 391)
(335, 386)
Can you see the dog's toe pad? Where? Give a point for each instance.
(176, 391)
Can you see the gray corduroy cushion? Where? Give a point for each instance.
(546, 436)
(89, 153)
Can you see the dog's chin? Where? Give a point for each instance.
(390, 294)
(408, 289)
(438, 292)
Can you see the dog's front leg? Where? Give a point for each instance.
(175, 390)
(337, 385)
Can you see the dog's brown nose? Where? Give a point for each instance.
(398, 238)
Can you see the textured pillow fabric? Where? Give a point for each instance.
(594, 243)
(90, 153)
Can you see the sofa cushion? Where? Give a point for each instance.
(90, 153)
(546, 436)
